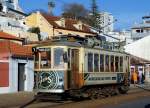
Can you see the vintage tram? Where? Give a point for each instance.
(74, 66)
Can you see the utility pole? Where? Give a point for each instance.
(95, 15)
(51, 5)
(94, 8)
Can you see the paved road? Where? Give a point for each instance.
(18, 99)
(140, 103)
(121, 101)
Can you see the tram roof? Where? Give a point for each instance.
(75, 41)
(50, 43)
(75, 44)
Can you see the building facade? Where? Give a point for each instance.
(142, 29)
(140, 48)
(51, 26)
(122, 36)
(12, 20)
(106, 22)
(16, 65)
(10, 4)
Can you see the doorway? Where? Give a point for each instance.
(74, 68)
(21, 76)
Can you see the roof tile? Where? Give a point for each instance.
(69, 24)
(4, 35)
(15, 49)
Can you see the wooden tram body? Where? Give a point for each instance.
(79, 70)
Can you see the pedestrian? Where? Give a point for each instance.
(140, 76)
(135, 77)
(143, 78)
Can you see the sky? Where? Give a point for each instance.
(127, 12)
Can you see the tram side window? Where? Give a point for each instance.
(112, 64)
(117, 64)
(90, 62)
(69, 64)
(121, 64)
(58, 58)
(107, 63)
(96, 63)
(101, 62)
(45, 59)
(128, 63)
(36, 62)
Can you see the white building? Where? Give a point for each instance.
(106, 21)
(141, 49)
(12, 20)
(122, 36)
(10, 4)
(17, 28)
(142, 29)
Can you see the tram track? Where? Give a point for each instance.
(51, 104)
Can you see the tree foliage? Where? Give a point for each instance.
(75, 11)
(79, 12)
(37, 31)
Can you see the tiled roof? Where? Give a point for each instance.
(4, 35)
(15, 49)
(69, 24)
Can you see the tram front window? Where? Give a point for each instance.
(45, 59)
(58, 58)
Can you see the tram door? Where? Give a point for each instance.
(74, 76)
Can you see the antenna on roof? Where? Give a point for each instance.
(51, 5)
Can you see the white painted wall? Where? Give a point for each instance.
(13, 76)
(140, 48)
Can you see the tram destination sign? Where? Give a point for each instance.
(43, 49)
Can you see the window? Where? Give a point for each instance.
(4, 74)
(107, 63)
(121, 64)
(117, 64)
(112, 64)
(45, 58)
(142, 30)
(69, 60)
(96, 63)
(36, 60)
(102, 63)
(128, 64)
(58, 58)
(90, 62)
(138, 31)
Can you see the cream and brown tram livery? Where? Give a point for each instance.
(70, 65)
